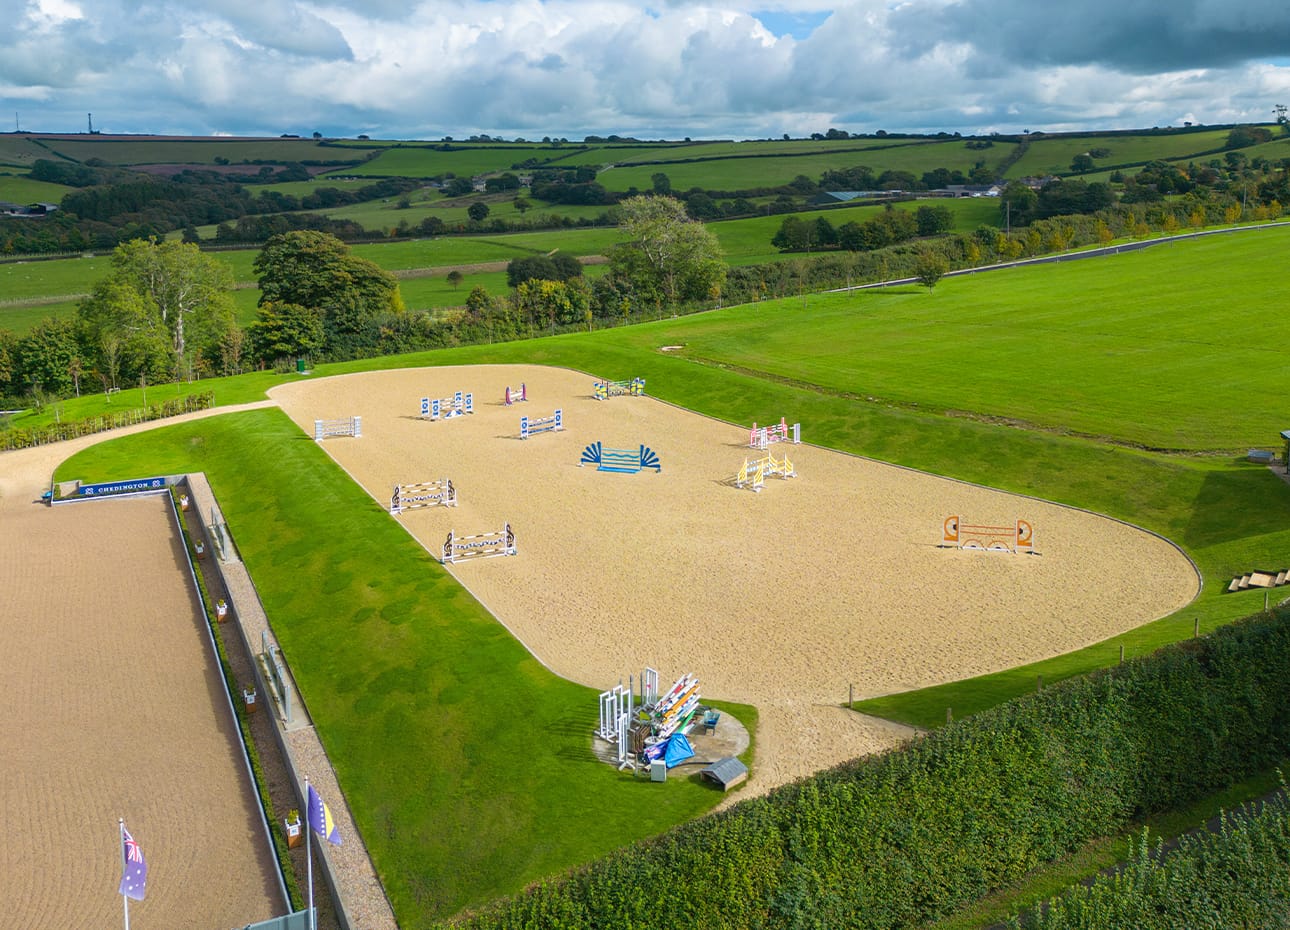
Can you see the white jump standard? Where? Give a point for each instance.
(445, 408)
(349, 426)
(480, 546)
(425, 494)
(531, 426)
(762, 437)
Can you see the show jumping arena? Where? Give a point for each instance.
(782, 599)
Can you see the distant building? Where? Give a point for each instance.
(972, 190)
(31, 210)
(828, 197)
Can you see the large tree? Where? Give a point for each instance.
(667, 252)
(317, 271)
(285, 331)
(158, 292)
(49, 357)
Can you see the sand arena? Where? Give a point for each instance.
(782, 599)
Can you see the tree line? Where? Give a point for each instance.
(164, 310)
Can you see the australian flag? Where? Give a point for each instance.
(135, 876)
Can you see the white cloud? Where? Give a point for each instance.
(570, 67)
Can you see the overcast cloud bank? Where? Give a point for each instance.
(525, 68)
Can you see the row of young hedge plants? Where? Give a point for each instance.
(912, 835)
(27, 437)
(1236, 878)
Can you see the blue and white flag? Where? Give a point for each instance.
(134, 877)
(319, 815)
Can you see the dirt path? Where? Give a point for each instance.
(781, 599)
(113, 708)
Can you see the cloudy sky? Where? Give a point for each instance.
(424, 69)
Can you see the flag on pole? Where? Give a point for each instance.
(319, 815)
(134, 876)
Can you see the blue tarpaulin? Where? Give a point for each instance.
(678, 750)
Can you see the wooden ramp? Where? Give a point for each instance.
(1259, 580)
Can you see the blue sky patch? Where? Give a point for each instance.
(797, 25)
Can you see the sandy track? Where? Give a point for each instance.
(113, 708)
(781, 599)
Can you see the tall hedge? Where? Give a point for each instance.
(1235, 879)
(902, 838)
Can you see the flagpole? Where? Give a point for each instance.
(309, 858)
(120, 842)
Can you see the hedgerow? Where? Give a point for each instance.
(1236, 878)
(906, 837)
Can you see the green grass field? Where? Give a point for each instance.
(428, 161)
(1053, 155)
(748, 241)
(20, 151)
(386, 642)
(19, 188)
(771, 170)
(131, 150)
(1079, 347)
(305, 188)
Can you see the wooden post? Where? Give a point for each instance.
(1039, 684)
(1195, 632)
(1121, 653)
(949, 715)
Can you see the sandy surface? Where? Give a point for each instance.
(781, 599)
(112, 708)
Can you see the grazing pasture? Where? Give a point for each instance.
(1045, 156)
(132, 150)
(22, 189)
(429, 160)
(772, 170)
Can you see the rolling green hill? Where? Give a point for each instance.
(1052, 154)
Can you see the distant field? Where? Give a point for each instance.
(22, 189)
(384, 215)
(621, 155)
(19, 151)
(747, 241)
(1275, 150)
(25, 280)
(1053, 155)
(427, 161)
(774, 147)
(130, 150)
(304, 188)
(771, 171)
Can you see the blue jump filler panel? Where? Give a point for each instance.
(628, 461)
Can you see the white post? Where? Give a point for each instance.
(120, 843)
(309, 858)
